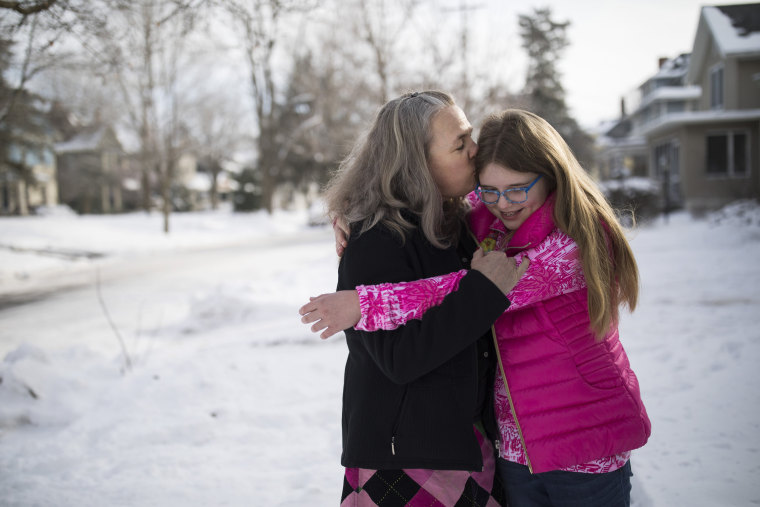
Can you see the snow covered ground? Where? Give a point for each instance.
(230, 401)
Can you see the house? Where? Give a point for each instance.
(626, 151)
(28, 180)
(199, 183)
(27, 160)
(90, 170)
(695, 127)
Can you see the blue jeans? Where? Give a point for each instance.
(565, 489)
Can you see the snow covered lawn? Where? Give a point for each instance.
(231, 401)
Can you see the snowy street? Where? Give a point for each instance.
(157, 289)
(230, 400)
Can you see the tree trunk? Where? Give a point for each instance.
(145, 180)
(23, 199)
(165, 193)
(214, 189)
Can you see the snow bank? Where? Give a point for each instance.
(232, 401)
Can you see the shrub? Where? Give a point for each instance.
(633, 198)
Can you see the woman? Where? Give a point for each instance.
(567, 402)
(413, 395)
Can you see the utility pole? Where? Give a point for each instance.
(464, 9)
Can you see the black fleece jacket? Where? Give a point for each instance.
(411, 395)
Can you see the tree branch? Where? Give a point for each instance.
(124, 352)
(25, 8)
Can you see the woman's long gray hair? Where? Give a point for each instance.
(387, 173)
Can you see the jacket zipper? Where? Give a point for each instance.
(511, 404)
(506, 385)
(398, 422)
(526, 245)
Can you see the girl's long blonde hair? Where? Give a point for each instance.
(386, 174)
(523, 141)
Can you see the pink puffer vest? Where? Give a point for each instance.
(575, 399)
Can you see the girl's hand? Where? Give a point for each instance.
(332, 312)
(503, 271)
(342, 232)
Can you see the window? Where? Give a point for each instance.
(676, 107)
(716, 88)
(717, 154)
(48, 156)
(727, 154)
(15, 154)
(666, 160)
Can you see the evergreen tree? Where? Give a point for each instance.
(544, 40)
(315, 123)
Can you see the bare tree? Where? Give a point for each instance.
(218, 132)
(27, 8)
(260, 23)
(145, 46)
(42, 32)
(417, 44)
(380, 25)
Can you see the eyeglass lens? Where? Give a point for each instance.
(492, 196)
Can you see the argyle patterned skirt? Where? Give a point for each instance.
(429, 488)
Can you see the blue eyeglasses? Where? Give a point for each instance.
(514, 195)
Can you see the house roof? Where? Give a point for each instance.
(744, 17)
(626, 143)
(734, 29)
(672, 93)
(88, 139)
(713, 116)
(673, 67)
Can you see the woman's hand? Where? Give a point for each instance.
(342, 232)
(503, 271)
(332, 312)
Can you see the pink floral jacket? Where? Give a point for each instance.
(559, 376)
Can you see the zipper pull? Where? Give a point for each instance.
(393, 446)
(498, 449)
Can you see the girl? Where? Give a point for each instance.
(567, 402)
